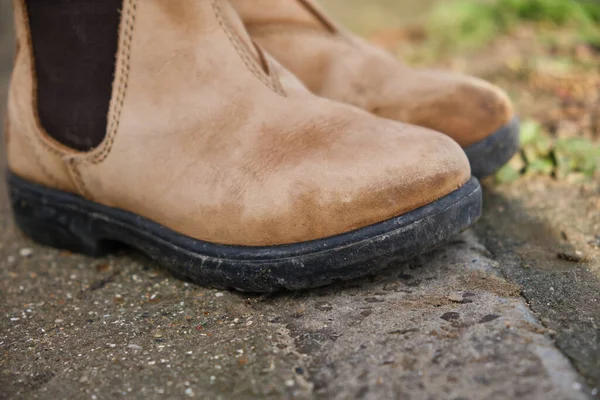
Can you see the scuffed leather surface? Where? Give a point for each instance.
(342, 67)
(209, 142)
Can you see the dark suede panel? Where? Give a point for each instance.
(74, 47)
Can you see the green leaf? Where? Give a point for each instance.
(507, 174)
(530, 131)
(541, 166)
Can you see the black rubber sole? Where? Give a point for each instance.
(490, 154)
(67, 221)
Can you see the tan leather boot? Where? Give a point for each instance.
(220, 165)
(335, 64)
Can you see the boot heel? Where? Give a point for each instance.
(56, 226)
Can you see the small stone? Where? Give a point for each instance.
(456, 298)
(25, 252)
(488, 318)
(299, 313)
(366, 313)
(290, 383)
(218, 294)
(324, 306)
(374, 300)
(390, 287)
(403, 331)
(405, 277)
(576, 256)
(189, 392)
(450, 316)
(462, 299)
(102, 267)
(388, 361)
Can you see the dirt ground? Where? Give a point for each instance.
(508, 309)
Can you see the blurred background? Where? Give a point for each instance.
(546, 53)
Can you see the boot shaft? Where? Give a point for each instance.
(170, 56)
(74, 45)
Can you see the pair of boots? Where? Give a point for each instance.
(233, 172)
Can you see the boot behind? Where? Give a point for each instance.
(337, 65)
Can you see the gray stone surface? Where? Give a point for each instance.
(442, 326)
(564, 292)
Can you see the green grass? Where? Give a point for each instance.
(455, 26)
(473, 23)
(563, 158)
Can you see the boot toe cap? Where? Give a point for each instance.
(465, 108)
(363, 180)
